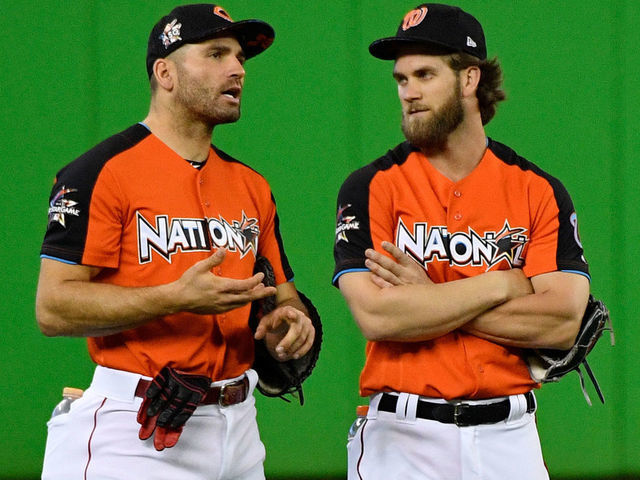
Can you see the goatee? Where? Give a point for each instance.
(430, 134)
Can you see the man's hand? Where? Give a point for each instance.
(287, 332)
(70, 303)
(518, 283)
(406, 271)
(418, 309)
(387, 272)
(201, 291)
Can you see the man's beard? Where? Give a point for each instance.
(200, 102)
(431, 133)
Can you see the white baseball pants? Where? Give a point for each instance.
(98, 438)
(400, 446)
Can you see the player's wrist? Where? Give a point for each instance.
(519, 284)
(167, 299)
(501, 287)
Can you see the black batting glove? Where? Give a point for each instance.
(169, 401)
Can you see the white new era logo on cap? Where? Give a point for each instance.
(471, 43)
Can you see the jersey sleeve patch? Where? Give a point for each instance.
(71, 196)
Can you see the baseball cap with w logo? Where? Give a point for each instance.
(199, 22)
(433, 24)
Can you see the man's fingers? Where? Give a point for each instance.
(296, 327)
(214, 260)
(400, 270)
(380, 282)
(271, 322)
(252, 285)
(382, 260)
(236, 293)
(231, 300)
(381, 272)
(398, 254)
(301, 345)
(299, 337)
(379, 258)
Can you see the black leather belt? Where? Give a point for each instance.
(459, 413)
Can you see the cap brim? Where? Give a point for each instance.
(387, 48)
(254, 36)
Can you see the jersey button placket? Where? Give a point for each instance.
(454, 204)
(205, 203)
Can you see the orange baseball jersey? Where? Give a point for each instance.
(507, 213)
(135, 208)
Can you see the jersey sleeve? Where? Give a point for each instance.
(84, 216)
(106, 223)
(555, 242)
(271, 244)
(353, 224)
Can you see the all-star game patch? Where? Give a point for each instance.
(61, 206)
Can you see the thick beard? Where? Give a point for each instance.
(200, 102)
(431, 134)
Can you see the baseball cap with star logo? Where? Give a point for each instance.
(199, 22)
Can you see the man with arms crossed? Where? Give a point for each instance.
(149, 252)
(454, 254)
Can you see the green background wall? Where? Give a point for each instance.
(315, 107)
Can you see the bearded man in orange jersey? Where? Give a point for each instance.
(454, 255)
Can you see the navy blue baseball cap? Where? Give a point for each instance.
(199, 22)
(434, 24)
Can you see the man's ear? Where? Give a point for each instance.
(470, 80)
(164, 72)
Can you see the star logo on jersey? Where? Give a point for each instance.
(248, 228)
(59, 206)
(508, 242)
(344, 224)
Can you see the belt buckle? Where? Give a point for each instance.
(235, 394)
(459, 410)
(222, 397)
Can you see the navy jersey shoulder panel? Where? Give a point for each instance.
(569, 255)
(510, 157)
(395, 156)
(70, 198)
(353, 228)
(88, 165)
(286, 266)
(360, 179)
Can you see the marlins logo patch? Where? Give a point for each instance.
(60, 206)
